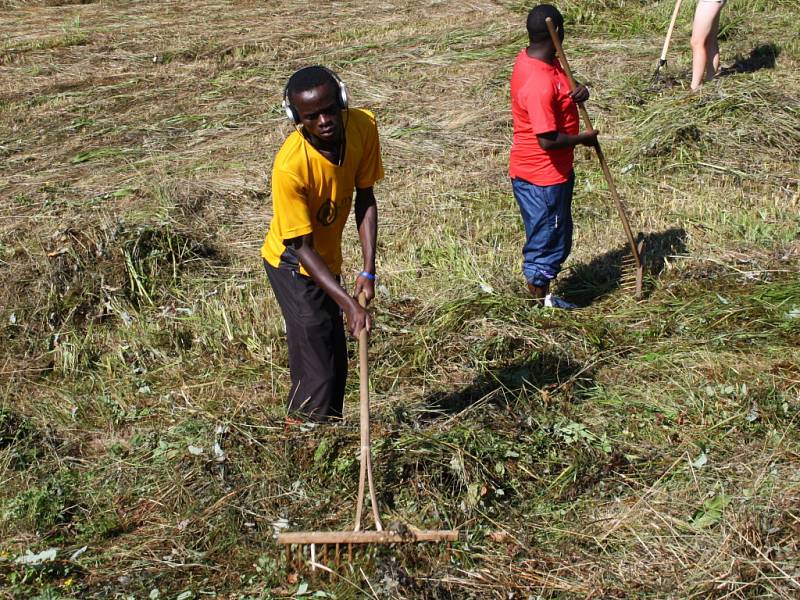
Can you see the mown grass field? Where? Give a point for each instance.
(628, 449)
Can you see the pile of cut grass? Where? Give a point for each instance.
(750, 126)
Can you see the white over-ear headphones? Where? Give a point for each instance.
(341, 97)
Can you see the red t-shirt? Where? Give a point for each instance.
(540, 103)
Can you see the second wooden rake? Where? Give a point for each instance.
(633, 265)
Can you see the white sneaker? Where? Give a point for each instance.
(551, 301)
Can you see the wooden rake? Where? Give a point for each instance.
(337, 545)
(632, 265)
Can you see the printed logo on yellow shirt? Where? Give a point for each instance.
(327, 213)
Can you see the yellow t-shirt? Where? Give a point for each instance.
(310, 194)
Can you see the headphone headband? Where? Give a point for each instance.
(341, 98)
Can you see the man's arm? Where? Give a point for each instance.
(357, 317)
(553, 140)
(367, 224)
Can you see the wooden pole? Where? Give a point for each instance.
(365, 472)
(663, 60)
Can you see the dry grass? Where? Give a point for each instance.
(631, 450)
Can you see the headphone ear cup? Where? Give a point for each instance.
(291, 114)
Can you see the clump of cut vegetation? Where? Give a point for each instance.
(94, 278)
(625, 450)
(752, 122)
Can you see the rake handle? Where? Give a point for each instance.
(365, 473)
(562, 58)
(675, 12)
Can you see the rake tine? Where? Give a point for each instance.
(337, 557)
(640, 269)
(662, 62)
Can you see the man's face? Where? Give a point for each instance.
(319, 112)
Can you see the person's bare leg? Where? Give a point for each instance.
(705, 16)
(714, 51)
(699, 58)
(710, 71)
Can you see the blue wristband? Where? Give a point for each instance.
(368, 275)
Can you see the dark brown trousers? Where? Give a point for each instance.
(317, 345)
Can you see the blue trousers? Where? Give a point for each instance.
(547, 215)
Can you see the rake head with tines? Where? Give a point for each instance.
(632, 276)
(329, 550)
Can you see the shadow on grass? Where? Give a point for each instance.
(761, 57)
(544, 370)
(587, 282)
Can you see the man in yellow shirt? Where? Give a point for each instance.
(333, 152)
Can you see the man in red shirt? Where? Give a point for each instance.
(546, 131)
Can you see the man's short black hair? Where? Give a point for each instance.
(537, 28)
(308, 78)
